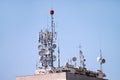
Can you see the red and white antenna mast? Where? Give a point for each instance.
(47, 45)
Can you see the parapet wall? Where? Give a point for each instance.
(53, 76)
(57, 76)
(71, 76)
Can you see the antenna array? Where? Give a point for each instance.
(82, 59)
(47, 45)
(101, 60)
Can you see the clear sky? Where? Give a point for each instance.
(93, 24)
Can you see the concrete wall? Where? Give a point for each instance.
(57, 76)
(71, 76)
(54, 76)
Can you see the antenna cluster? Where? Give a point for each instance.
(47, 45)
(101, 60)
(82, 59)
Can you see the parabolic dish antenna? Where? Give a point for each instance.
(54, 58)
(98, 59)
(42, 52)
(103, 60)
(54, 46)
(47, 52)
(74, 59)
(40, 47)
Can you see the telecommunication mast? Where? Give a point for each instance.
(47, 45)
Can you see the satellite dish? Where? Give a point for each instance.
(41, 59)
(54, 46)
(40, 47)
(47, 52)
(54, 58)
(84, 59)
(81, 52)
(42, 52)
(103, 60)
(98, 59)
(52, 51)
(48, 58)
(74, 58)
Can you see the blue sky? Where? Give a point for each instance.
(93, 24)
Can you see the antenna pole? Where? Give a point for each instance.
(101, 60)
(80, 54)
(58, 57)
(52, 28)
(47, 46)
